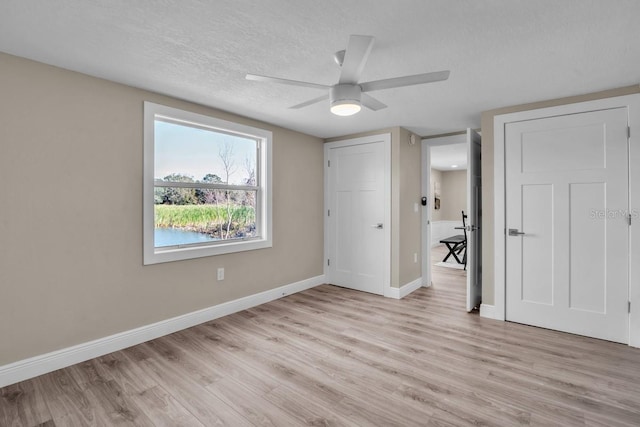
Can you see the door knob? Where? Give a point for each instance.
(378, 225)
(515, 232)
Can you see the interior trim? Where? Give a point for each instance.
(404, 290)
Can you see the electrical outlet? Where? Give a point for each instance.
(415, 257)
(221, 273)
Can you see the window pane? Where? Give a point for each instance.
(194, 215)
(189, 154)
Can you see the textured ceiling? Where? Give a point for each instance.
(500, 52)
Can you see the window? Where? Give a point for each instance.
(207, 186)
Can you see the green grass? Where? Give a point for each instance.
(203, 218)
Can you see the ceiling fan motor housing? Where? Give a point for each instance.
(345, 93)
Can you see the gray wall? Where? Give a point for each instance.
(71, 223)
(454, 195)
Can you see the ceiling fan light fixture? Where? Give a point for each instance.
(345, 100)
(346, 108)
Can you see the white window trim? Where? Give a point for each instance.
(151, 255)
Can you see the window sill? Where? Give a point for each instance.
(157, 256)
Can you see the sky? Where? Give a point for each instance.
(195, 152)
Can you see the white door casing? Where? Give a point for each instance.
(474, 209)
(357, 244)
(426, 212)
(501, 122)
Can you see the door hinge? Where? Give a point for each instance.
(328, 262)
(328, 163)
(628, 306)
(328, 212)
(628, 131)
(629, 218)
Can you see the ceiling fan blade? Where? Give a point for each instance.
(416, 79)
(310, 102)
(355, 57)
(258, 78)
(371, 103)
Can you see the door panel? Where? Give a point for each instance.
(564, 143)
(537, 248)
(344, 232)
(588, 241)
(567, 191)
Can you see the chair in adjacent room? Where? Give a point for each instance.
(457, 244)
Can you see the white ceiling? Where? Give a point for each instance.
(500, 52)
(444, 157)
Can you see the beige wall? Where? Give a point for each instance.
(487, 174)
(454, 195)
(405, 191)
(410, 172)
(436, 176)
(71, 222)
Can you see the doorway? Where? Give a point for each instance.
(451, 188)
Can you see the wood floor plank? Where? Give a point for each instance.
(67, 402)
(207, 409)
(330, 356)
(20, 404)
(250, 404)
(113, 407)
(163, 409)
(309, 411)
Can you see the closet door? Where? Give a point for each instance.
(567, 199)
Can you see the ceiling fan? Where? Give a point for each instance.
(348, 96)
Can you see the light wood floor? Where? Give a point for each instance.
(331, 356)
(450, 278)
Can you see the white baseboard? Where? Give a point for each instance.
(490, 312)
(38, 365)
(403, 291)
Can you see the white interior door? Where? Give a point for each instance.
(357, 226)
(567, 250)
(474, 241)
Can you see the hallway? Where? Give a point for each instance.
(449, 279)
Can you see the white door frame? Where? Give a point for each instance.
(632, 102)
(427, 143)
(425, 217)
(385, 138)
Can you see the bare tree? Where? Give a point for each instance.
(226, 157)
(250, 169)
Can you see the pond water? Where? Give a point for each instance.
(174, 236)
